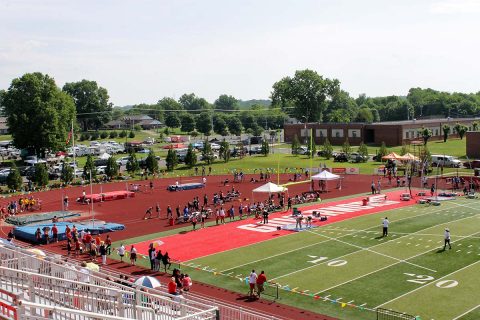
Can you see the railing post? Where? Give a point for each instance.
(183, 311)
(121, 306)
(138, 303)
(31, 288)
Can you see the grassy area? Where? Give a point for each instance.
(347, 262)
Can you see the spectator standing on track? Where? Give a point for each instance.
(194, 221)
(204, 180)
(158, 260)
(108, 244)
(385, 224)
(103, 252)
(121, 251)
(177, 209)
(157, 208)
(169, 212)
(447, 239)
(133, 255)
(222, 215)
(151, 255)
(265, 216)
(372, 186)
(379, 187)
(65, 203)
(166, 261)
(55, 233)
(205, 200)
(232, 213)
(252, 281)
(432, 190)
(261, 279)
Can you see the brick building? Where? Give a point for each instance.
(393, 133)
(473, 144)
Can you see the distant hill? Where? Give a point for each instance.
(248, 103)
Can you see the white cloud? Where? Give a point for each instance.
(455, 6)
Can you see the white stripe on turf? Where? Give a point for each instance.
(466, 312)
(425, 285)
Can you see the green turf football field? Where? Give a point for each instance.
(347, 270)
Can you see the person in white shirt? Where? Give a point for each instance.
(121, 252)
(385, 224)
(252, 280)
(447, 239)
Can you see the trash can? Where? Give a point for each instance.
(172, 221)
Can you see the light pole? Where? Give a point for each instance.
(305, 127)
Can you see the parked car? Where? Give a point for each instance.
(101, 169)
(301, 150)
(445, 161)
(340, 157)
(122, 161)
(355, 157)
(472, 164)
(255, 150)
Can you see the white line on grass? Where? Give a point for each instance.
(303, 269)
(382, 254)
(466, 312)
(430, 283)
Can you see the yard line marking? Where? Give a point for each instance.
(430, 283)
(466, 312)
(336, 258)
(353, 234)
(350, 301)
(363, 304)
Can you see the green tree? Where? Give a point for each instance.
(190, 157)
(224, 151)
(131, 135)
(104, 135)
(89, 166)
(363, 151)
(191, 102)
(327, 149)
(475, 125)
(219, 125)
(122, 134)
(365, 115)
(461, 131)
(446, 132)
(425, 155)
(111, 170)
(234, 125)
(204, 123)
(67, 174)
(265, 148)
(207, 153)
(113, 134)
(346, 148)
(39, 114)
(405, 149)
(172, 120)
(187, 122)
(171, 160)
(91, 101)
(306, 92)
(426, 134)
(382, 152)
(14, 179)
(41, 175)
(152, 162)
(295, 144)
(132, 163)
(226, 103)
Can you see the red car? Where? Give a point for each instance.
(472, 164)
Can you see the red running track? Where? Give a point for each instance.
(203, 242)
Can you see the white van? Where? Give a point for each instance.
(445, 161)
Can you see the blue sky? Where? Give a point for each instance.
(142, 51)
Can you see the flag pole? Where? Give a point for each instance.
(73, 148)
(91, 198)
(278, 161)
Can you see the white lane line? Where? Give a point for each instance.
(425, 285)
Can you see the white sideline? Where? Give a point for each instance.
(430, 283)
(466, 312)
(310, 245)
(303, 269)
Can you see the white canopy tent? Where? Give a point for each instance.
(269, 188)
(325, 176)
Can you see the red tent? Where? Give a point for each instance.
(175, 146)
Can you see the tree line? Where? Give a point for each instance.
(40, 114)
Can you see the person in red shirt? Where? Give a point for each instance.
(172, 287)
(98, 240)
(261, 279)
(55, 233)
(68, 232)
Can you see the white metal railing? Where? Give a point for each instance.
(55, 265)
(52, 291)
